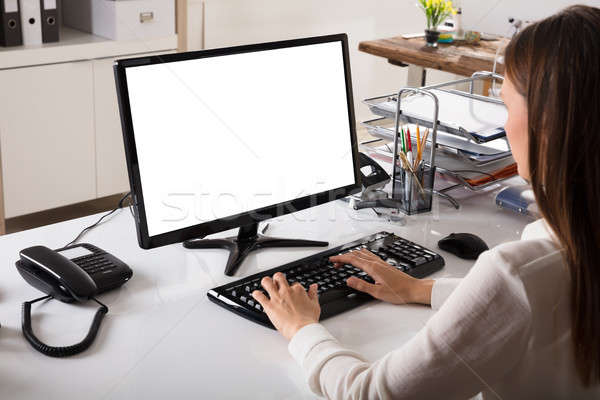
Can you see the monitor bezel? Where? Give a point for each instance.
(246, 218)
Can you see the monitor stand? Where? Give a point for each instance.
(247, 240)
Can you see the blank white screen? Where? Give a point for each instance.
(219, 136)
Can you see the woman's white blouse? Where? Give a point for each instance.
(503, 330)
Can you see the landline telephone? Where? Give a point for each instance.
(75, 273)
(373, 176)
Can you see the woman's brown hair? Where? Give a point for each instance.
(555, 65)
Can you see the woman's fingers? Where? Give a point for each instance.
(366, 253)
(269, 286)
(341, 259)
(261, 298)
(356, 254)
(369, 266)
(279, 278)
(363, 286)
(312, 292)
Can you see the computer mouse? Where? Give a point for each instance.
(463, 245)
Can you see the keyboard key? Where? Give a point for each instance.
(420, 260)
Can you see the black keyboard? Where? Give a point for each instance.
(334, 295)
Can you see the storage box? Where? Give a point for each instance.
(121, 19)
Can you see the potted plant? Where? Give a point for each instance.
(436, 11)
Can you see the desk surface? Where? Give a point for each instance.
(163, 338)
(457, 58)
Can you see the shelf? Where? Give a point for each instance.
(76, 45)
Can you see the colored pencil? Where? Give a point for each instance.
(418, 144)
(424, 143)
(403, 142)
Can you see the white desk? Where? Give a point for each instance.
(164, 339)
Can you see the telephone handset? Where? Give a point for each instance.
(373, 176)
(72, 274)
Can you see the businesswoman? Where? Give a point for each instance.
(525, 321)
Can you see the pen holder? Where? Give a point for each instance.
(414, 192)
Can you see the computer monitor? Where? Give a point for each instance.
(226, 138)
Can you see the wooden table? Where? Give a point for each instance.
(458, 58)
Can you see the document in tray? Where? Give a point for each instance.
(495, 149)
(481, 119)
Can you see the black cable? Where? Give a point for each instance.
(99, 303)
(66, 350)
(119, 205)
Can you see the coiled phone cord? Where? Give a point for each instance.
(60, 351)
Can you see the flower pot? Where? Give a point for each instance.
(431, 37)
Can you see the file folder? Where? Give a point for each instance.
(10, 23)
(49, 13)
(31, 22)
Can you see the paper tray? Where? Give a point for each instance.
(474, 177)
(471, 116)
(479, 154)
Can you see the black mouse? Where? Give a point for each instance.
(463, 245)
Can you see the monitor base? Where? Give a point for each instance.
(247, 240)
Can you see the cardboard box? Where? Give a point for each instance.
(121, 19)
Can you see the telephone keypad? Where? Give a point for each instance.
(94, 263)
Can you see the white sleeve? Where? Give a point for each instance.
(441, 290)
(480, 332)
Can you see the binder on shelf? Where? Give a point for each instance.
(49, 21)
(10, 23)
(31, 22)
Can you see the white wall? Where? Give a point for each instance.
(231, 22)
(234, 22)
(492, 15)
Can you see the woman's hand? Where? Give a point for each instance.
(288, 307)
(391, 285)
